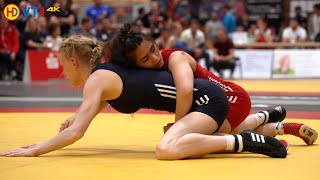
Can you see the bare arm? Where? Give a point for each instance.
(95, 92)
(231, 55)
(184, 80)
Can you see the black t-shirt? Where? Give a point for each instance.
(223, 47)
(65, 29)
(35, 37)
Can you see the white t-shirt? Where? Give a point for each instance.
(294, 35)
(190, 41)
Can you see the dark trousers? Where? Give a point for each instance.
(222, 65)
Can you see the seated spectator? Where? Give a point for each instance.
(85, 26)
(262, 33)
(162, 40)
(9, 47)
(98, 11)
(294, 33)
(54, 39)
(223, 53)
(106, 33)
(194, 40)
(240, 36)
(174, 41)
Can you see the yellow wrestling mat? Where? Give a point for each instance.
(286, 86)
(118, 146)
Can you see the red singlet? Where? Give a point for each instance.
(239, 99)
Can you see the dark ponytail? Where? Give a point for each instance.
(123, 45)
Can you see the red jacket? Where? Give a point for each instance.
(9, 39)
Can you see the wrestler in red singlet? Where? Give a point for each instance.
(239, 100)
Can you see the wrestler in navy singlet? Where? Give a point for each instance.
(155, 90)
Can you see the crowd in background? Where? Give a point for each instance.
(185, 24)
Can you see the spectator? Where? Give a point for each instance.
(244, 22)
(229, 21)
(85, 26)
(294, 33)
(141, 13)
(106, 33)
(65, 16)
(314, 24)
(32, 37)
(42, 26)
(54, 39)
(98, 11)
(21, 22)
(162, 40)
(223, 53)
(274, 18)
(155, 20)
(240, 36)
(262, 33)
(9, 46)
(302, 20)
(194, 39)
(212, 26)
(174, 41)
(97, 28)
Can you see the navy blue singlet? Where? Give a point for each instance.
(153, 89)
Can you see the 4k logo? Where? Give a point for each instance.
(204, 100)
(53, 9)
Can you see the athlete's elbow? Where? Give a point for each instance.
(76, 134)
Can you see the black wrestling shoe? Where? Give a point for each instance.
(257, 143)
(276, 114)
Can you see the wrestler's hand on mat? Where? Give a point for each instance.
(24, 151)
(165, 128)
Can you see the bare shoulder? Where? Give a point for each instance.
(105, 82)
(178, 57)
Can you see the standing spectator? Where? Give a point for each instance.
(229, 21)
(65, 16)
(262, 33)
(42, 26)
(54, 39)
(244, 22)
(314, 23)
(9, 46)
(31, 37)
(274, 18)
(302, 20)
(155, 20)
(294, 33)
(212, 26)
(223, 53)
(98, 11)
(141, 13)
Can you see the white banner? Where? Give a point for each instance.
(256, 64)
(296, 64)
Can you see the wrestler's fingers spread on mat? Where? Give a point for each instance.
(28, 146)
(18, 152)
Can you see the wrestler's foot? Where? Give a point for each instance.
(256, 143)
(307, 134)
(276, 114)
